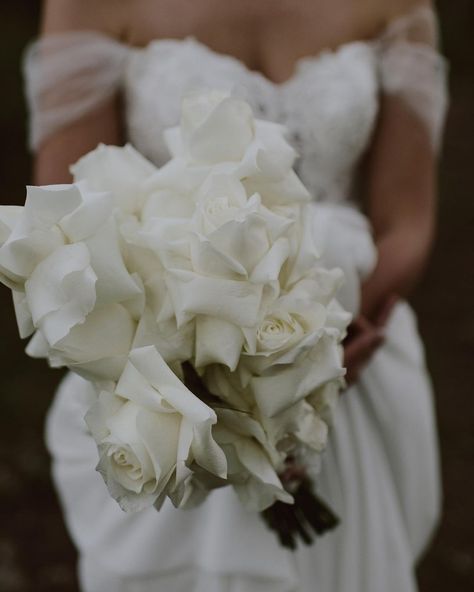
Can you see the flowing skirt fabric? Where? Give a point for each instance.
(380, 474)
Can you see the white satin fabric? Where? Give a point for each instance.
(380, 472)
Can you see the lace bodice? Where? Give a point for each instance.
(329, 104)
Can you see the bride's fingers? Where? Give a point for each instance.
(359, 325)
(362, 324)
(386, 310)
(363, 345)
(358, 352)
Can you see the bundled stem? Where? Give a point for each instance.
(307, 518)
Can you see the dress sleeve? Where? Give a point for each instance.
(412, 67)
(68, 75)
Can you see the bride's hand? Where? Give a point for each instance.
(364, 338)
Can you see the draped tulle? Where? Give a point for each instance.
(412, 68)
(68, 76)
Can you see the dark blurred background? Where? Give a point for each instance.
(35, 552)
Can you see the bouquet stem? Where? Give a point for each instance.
(307, 518)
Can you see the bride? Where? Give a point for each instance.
(361, 89)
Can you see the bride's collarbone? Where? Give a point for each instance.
(268, 40)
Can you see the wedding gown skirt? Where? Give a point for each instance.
(380, 474)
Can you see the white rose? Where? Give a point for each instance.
(119, 170)
(298, 425)
(249, 468)
(60, 214)
(293, 323)
(269, 158)
(167, 203)
(61, 291)
(177, 176)
(303, 422)
(217, 342)
(150, 431)
(287, 191)
(22, 314)
(9, 217)
(33, 233)
(219, 263)
(172, 342)
(97, 349)
(325, 398)
(63, 259)
(52, 217)
(219, 200)
(230, 386)
(278, 331)
(222, 198)
(285, 384)
(306, 248)
(215, 128)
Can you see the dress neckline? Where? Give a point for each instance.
(298, 66)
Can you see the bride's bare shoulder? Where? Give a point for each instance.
(106, 16)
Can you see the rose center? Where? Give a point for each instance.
(123, 459)
(220, 210)
(273, 332)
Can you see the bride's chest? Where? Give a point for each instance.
(329, 104)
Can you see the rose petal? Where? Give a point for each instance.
(61, 291)
(234, 301)
(217, 342)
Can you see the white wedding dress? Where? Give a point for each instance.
(380, 472)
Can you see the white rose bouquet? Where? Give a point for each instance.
(195, 298)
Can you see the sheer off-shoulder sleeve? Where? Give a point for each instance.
(68, 75)
(412, 67)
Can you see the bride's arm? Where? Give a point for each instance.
(401, 172)
(57, 151)
(401, 203)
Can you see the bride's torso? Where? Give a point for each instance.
(328, 101)
(329, 104)
(327, 98)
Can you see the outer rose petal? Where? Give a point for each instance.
(61, 291)
(173, 343)
(207, 141)
(250, 471)
(148, 381)
(230, 300)
(285, 386)
(269, 156)
(114, 282)
(98, 348)
(217, 342)
(23, 314)
(121, 171)
(9, 218)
